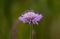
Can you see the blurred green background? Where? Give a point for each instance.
(48, 27)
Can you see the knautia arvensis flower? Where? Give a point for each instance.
(30, 17)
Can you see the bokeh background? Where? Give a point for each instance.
(48, 27)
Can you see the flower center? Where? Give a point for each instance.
(30, 19)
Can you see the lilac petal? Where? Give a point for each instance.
(30, 17)
(38, 17)
(21, 19)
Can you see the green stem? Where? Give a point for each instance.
(31, 27)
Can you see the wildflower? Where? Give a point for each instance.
(30, 17)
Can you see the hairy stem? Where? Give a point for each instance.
(13, 31)
(33, 34)
(31, 27)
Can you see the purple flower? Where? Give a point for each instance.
(30, 17)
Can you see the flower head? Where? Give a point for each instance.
(30, 17)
